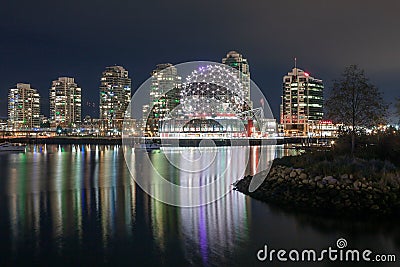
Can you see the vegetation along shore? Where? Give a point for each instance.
(336, 182)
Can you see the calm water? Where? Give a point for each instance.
(77, 205)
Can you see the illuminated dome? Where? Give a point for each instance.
(213, 89)
(203, 125)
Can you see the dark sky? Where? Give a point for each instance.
(42, 40)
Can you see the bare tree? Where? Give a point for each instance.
(355, 102)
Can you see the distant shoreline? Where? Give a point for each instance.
(66, 140)
(182, 142)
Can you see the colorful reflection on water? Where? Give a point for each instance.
(70, 205)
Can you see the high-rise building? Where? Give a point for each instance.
(165, 95)
(115, 96)
(65, 102)
(23, 107)
(163, 79)
(145, 114)
(236, 60)
(302, 102)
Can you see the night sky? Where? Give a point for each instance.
(42, 40)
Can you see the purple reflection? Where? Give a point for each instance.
(203, 235)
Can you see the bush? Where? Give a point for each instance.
(383, 146)
(330, 163)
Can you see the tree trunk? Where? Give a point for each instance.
(353, 142)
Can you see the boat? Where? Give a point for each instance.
(9, 147)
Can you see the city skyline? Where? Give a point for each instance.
(46, 103)
(34, 35)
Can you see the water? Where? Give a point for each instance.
(77, 205)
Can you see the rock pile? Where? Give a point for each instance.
(343, 194)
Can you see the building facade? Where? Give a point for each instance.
(115, 96)
(23, 107)
(236, 60)
(65, 103)
(302, 103)
(165, 95)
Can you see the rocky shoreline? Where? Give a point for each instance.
(344, 194)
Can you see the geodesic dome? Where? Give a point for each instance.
(213, 89)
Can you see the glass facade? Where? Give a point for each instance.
(23, 107)
(65, 102)
(236, 60)
(165, 95)
(115, 95)
(302, 102)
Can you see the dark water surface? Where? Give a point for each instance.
(77, 206)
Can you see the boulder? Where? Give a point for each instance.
(287, 170)
(330, 180)
(303, 176)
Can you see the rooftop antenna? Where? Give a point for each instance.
(295, 64)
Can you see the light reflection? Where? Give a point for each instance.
(219, 226)
(63, 182)
(57, 206)
(79, 189)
